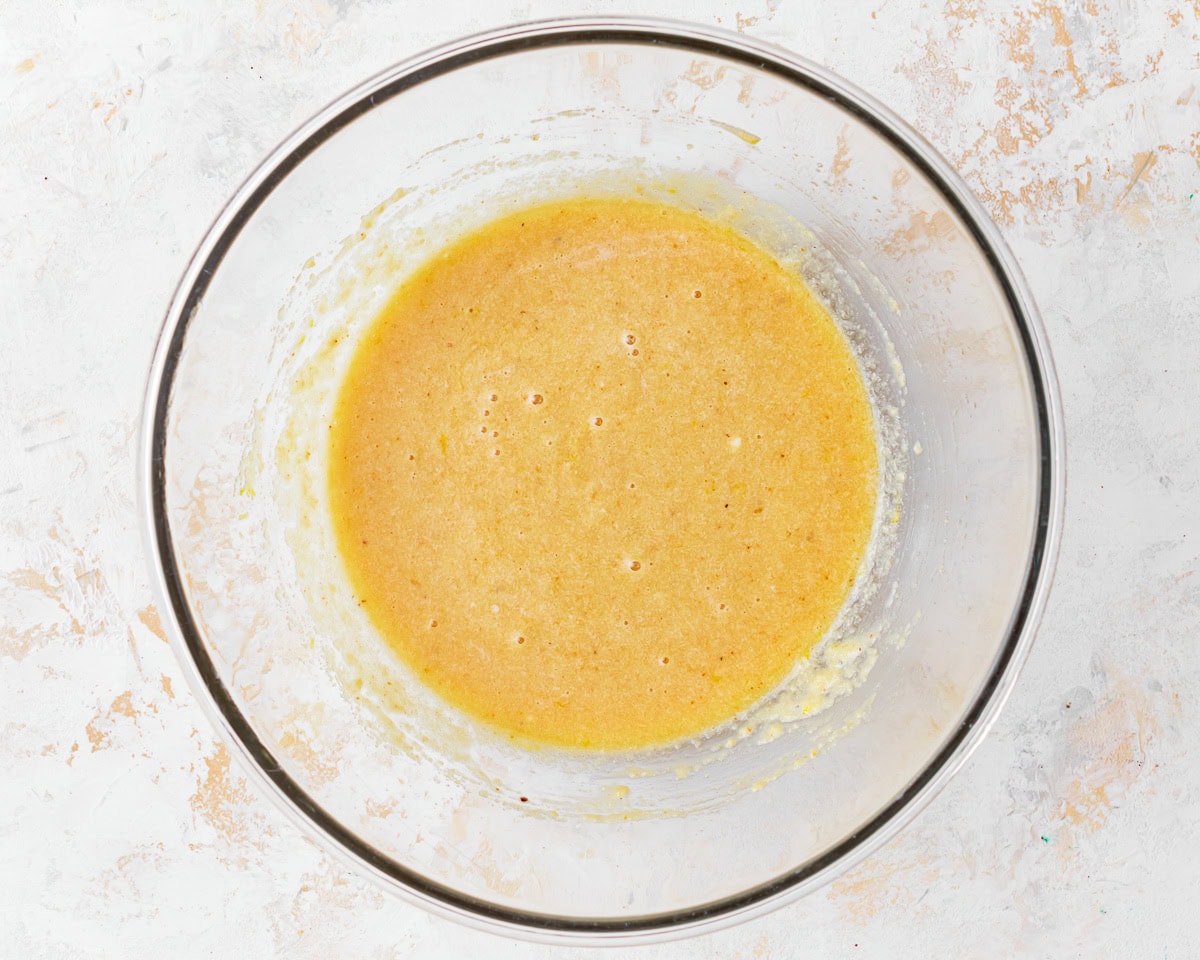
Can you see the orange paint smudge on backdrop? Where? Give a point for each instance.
(878, 884)
(29, 579)
(1063, 38)
(745, 88)
(702, 76)
(1083, 188)
(113, 103)
(26, 65)
(1035, 198)
(148, 615)
(937, 75)
(602, 72)
(966, 10)
(841, 159)
(743, 23)
(123, 705)
(221, 797)
(1111, 47)
(307, 28)
(18, 642)
(1143, 163)
(1111, 743)
(376, 808)
(99, 729)
(1015, 36)
(1107, 187)
(1027, 120)
(96, 737)
(923, 231)
(298, 743)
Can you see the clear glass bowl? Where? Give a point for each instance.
(550, 844)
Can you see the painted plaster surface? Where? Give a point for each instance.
(126, 830)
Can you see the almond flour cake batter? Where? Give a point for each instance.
(602, 472)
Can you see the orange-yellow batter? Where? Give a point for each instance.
(601, 472)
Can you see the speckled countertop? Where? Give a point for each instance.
(124, 829)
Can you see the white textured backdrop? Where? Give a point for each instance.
(124, 830)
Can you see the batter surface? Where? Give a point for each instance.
(601, 472)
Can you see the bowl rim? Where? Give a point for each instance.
(186, 638)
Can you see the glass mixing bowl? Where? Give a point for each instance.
(599, 846)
